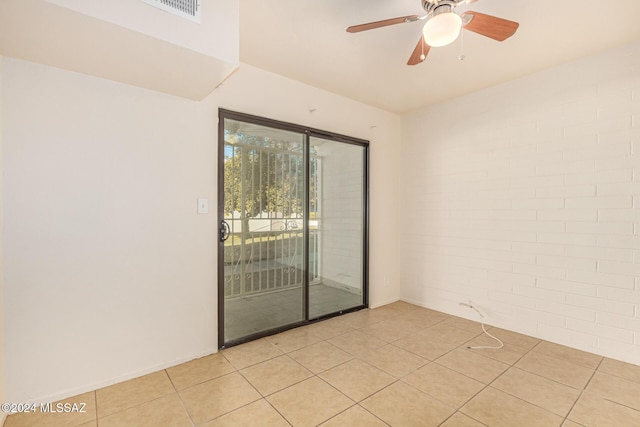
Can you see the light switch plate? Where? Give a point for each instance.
(203, 206)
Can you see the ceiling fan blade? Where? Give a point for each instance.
(383, 23)
(419, 53)
(490, 26)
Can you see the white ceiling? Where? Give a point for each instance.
(306, 40)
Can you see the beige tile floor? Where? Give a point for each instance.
(397, 365)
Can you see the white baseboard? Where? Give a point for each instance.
(65, 394)
(380, 304)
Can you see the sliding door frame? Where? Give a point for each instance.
(308, 134)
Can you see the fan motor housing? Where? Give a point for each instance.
(430, 6)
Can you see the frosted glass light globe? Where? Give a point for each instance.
(442, 29)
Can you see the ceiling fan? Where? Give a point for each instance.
(443, 26)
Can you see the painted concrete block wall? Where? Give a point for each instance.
(525, 199)
(108, 271)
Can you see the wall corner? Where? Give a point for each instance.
(2, 391)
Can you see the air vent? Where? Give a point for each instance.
(189, 9)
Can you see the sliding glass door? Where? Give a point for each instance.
(292, 215)
(336, 225)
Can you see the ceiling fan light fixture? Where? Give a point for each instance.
(442, 29)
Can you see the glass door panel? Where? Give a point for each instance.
(336, 226)
(264, 212)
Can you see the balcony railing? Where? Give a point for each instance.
(266, 261)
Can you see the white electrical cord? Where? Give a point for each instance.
(484, 330)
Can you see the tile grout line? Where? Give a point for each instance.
(368, 396)
(572, 407)
(139, 404)
(357, 357)
(95, 397)
(584, 389)
(279, 413)
(593, 374)
(500, 375)
(457, 411)
(563, 358)
(536, 374)
(440, 400)
(619, 377)
(241, 406)
(620, 404)
(235, 370)
(135, 406)
(182, 403)
(317, 375)
(351, 407)
(298, 382)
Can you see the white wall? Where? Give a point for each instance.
(217, 35)
(294, 102)
(2, 394)
(108, 272)
(158, 59)
(525, 199)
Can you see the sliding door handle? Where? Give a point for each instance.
(224, 231)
